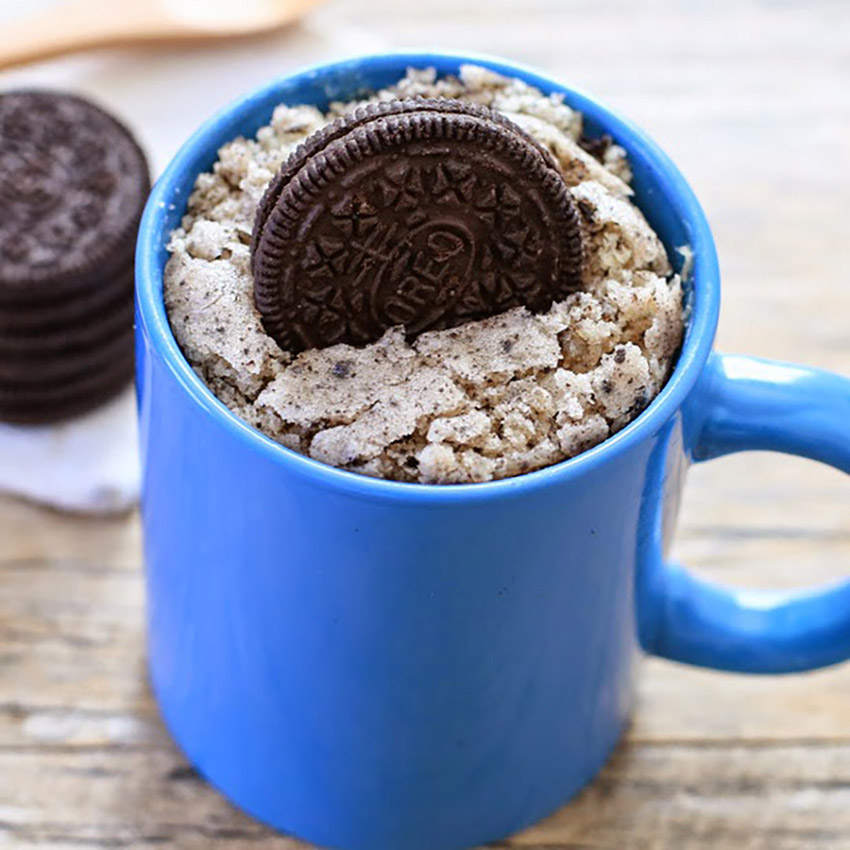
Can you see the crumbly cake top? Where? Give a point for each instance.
(486, 400)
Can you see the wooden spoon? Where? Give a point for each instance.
(81, 24)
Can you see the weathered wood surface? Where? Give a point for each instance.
(750, 98)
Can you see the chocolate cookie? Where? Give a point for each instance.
(74, 185)
(36, 372)
(66, 341)
(81, 308)
(421, 213)
(59, 400)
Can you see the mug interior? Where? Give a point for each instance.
(660, 190)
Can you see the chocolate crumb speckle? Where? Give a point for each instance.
(587, 209)
(597, 148)
(342, 369)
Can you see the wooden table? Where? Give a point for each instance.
(751, 99)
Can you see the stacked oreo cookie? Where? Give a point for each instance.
(73, 182)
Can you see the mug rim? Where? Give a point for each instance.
(701, 323)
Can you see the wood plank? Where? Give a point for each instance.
(31, 533)
(774, 797)
(690, 798)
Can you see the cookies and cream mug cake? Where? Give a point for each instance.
(441, 282)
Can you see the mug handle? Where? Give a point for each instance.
(750, 404)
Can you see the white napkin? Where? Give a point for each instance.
(163, 94)
(89, 464)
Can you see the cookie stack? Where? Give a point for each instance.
(73, 182)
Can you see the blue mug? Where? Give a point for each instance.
(384, 666)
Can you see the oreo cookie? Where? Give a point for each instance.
(74, 185)
(69, 341)
(37, 372)
(425, 213)
(58, 400)
(63, 313)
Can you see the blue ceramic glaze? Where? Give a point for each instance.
(383, 666)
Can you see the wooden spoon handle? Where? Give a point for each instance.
(78, 25)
